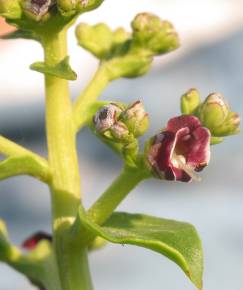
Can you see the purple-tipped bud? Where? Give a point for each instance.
(106, 117)
(136, 119)
(38, 8)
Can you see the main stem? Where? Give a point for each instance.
(72, 259)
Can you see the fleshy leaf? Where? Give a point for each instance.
(62, 70)
(178, 241)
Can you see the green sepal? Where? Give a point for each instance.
(24, 34)
(61, 70)
(178, 241)
(216, 140)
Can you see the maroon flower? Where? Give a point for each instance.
(180, 150)
(31, 242)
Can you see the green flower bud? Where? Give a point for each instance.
(136, 119)
(87, 5)
(153, 34)
(120, 36)
(213, 111)
(97, 39)
(215, 114)
(10, 9)
(190, 101)
(67, 7)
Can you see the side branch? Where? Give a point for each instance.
(21, 161)
(87, 98)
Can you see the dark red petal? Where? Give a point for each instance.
(199, 148)
(161, 150)
(183, 121)
(31, 242)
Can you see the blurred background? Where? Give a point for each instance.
(210, 59)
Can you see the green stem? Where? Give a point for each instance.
(89, 96)
(115, 194)
(61, 138)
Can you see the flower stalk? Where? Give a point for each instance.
(65, 188)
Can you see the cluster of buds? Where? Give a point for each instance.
(71, 7)
(214, 113)
(153, 34)
(41, 10)
(120, 125)
(129, 54)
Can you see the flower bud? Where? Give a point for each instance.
(67, 7)
(136, 119)
(190, 101)
(215, 114)
(87, 5)
(106, 117)
(97, 39)
(153, 34)
(120, 36)
(213, 111)
(10, 9)
(230, 126)
(37, 9)
(120, 132)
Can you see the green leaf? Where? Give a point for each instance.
(178, 241)
(25, 34)
(61, 70)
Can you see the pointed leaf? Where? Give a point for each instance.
(61, 70)
(178, 241)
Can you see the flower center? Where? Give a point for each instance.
(179, 161)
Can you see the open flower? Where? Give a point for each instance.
(180, 150)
